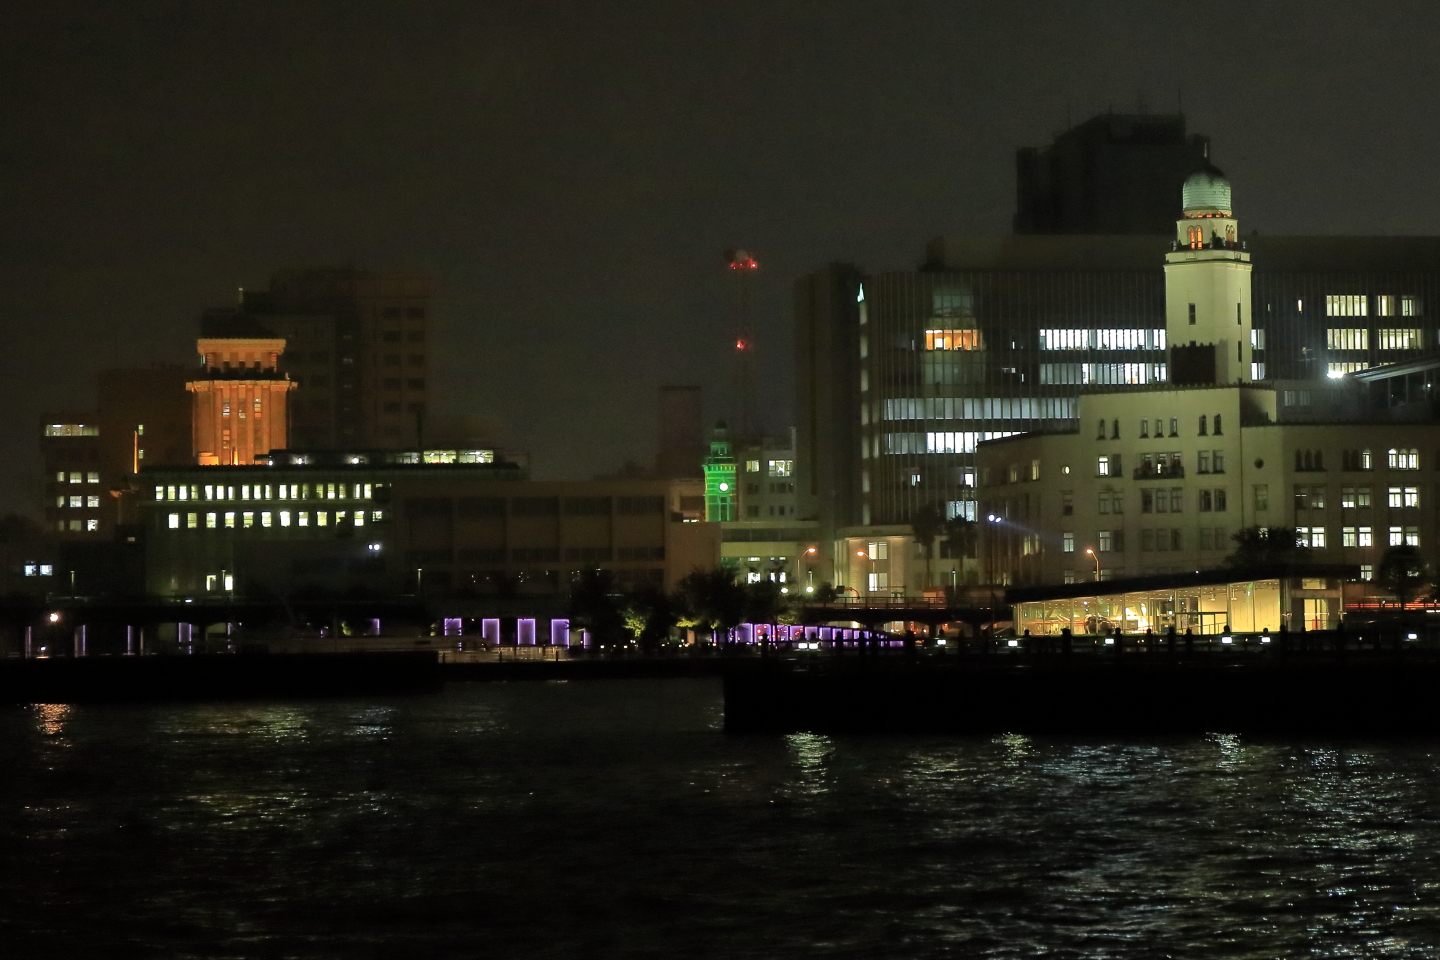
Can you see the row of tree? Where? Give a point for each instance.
(711, 602)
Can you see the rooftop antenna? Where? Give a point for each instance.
(743, 268)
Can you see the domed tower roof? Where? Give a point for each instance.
(1206, 193)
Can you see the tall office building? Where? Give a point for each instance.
(1112, 174)
(357, 349)
(901, 374)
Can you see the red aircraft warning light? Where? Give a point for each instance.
(741, 260)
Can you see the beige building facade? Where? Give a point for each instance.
(1162, 480)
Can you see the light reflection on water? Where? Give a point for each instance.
(617, 820)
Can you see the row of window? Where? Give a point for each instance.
(1103, 373)
(268, 491)
(1207, 427)
(1313, 498)
(979, 408)
(775, 468)
(1102, 339)
(78, 526)
(88, 502)
(1386, 338)
(77, 476)
(1215, 538)
(939, 442)
(239, 408)
(231, 519)
(1358, 305)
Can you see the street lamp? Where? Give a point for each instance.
(1096, 558)
(870, 585)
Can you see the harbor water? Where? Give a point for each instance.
(616, 819)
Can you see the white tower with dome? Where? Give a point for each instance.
(1207, 286)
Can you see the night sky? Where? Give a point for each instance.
(571, 172)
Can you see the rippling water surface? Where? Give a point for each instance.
(615, 819)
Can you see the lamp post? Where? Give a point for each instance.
(870, 584)
(1094, 556)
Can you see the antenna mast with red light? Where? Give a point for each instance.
(743, 268)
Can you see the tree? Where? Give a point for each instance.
(961, 538)
(595, 605)
(1402, 572)
(649, 615)
(764, 603)
(711, 600)
(927, 523)
(1259, 546)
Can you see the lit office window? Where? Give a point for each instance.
(192, 521)
(1347, 338)
(210, 521)
(1346, 305)
(174, 521)
(953, 340)
(1401, 339)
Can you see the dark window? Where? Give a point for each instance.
(439, 555)
(415, 313)
(391, 313)
(587, 506)
(535, 554)
(416, 383)
(392, 406)
(587, 553)
(632, 505)
(392, 383)
(481, 555)
(418, 507)
(416, 336)
(534, 506)
(391, 336)
(417, 360)
(641, 553)
(471, 507)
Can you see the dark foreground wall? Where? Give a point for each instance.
(134, 679)
(1351, 695)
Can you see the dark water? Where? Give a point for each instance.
(614, 819)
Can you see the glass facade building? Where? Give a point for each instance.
(900, 374)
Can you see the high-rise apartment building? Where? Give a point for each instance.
(1112, 174)
(357, 349)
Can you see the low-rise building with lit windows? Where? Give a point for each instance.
(1172, 475)
(447, 522)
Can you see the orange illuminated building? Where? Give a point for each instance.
(239, 411)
